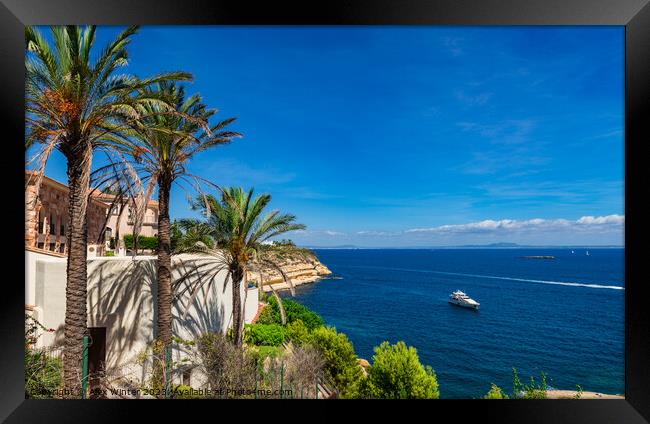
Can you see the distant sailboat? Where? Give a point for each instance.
(573, 251)
(587, 253)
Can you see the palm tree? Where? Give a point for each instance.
(240, 231)
(77, 103)
(161, 146)
(187, 234)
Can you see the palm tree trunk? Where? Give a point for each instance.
(77, 273)
(164, 264)
(237, 276)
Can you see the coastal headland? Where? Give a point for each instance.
(299, 270)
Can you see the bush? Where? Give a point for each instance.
(226, 365)
(109, 253)
(267, 316)
(533, 390)
(294, 311)
(144, 242)
(495, 393)
(297, 332)
(264, 334)
(396, 373)
(303, 366)
(268, 352)
(341, 364)
(43, 375)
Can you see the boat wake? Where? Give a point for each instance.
(493, 277)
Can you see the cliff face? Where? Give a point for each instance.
(299, 271)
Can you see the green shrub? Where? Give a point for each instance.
(144, 242)
(578, 394)
(43, 375)
(260, 353)
(264, 334)
(267, 316)
(495, 393)
(109, 253)
(341, 366)
(294, 311)
(297, 332)
(396, 373)
(533, 390)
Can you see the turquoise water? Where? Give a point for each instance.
(563, 316)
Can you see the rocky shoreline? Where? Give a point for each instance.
(571, 394)
(300, 271)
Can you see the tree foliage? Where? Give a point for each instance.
(264, 334)
(495, 393)
(532, 390)
(144, 242)
(294, 312)
(341, 362)
(396, 373)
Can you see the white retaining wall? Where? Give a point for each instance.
(122, 298)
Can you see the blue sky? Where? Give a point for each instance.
(411, 136)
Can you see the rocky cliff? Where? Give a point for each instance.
(299, 270)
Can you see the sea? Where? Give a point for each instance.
(563, 317)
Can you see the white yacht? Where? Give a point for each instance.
(461, 299)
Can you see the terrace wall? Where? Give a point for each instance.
(122, 298)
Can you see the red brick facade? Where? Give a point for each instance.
(46, 219)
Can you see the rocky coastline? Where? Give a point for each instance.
(299, 270)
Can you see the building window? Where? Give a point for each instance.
(53, 247)
(52, 226)
(40, 245)
(108, 234)
(40, 221)
(62, 227)
(62, 248)
(187, 377)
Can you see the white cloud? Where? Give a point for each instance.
(377, 233)
(599, 220)
(333, 233)
(506, 225)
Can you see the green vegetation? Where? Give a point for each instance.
(396, 373)
(264, 334)
(578, 391)
(239, 226)
(297, 332)
(495, 393)
(284, 242)
(341, 366)
(42, 375)
(144, 243)
(533, 390)
(188, 234)
(294, 312)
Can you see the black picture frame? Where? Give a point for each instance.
(633, 14)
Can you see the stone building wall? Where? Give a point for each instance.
(46, 217)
